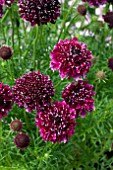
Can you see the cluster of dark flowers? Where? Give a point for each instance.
(34, 90)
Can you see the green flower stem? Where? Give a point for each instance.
(0, 130)
(71, 22)
(19, 41)
(65, 18)
(24, 29)
(5, 15)
(12, 36)
(3, 32)
(5, 138)
(58, 83)
(10, 69)
(26, 119)
(34, 46)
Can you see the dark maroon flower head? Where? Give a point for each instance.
(56, 123)
(96, 3)
(71, 58)
(6, 2)
(22, 141)
(109, 19)
(33, 91)
(79, 96)
(1, 11)
(5, 100)
(5, 52)
(110, 63)
(16, 125)
(39, 11)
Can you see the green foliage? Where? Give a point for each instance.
(90, 148)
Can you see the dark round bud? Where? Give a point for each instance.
(110, 63)
(82, 10)
(100, 75)
(5, 52)
(16, 125)
(22, 141)
(109, 19)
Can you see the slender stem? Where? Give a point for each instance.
(12, 36)
(64, 21)
(19, 41)
(66, 30)
(34, 46)
(26, 120)
(58, 83)
(3, 32)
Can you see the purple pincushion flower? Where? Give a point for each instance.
(6, 2)
(56, 123)
(78, 95)
(71, 58)
(39, 11)
(95, 3)
(33, 91)
(5, 100)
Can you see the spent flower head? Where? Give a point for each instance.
(100, 75)
(56, 123)
(16, 125)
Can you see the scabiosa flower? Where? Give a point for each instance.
(79, 96)
(56, 122)
(16, 125)
(109, 19)
(5, 100)
(22, 141)
(39, 11)
(33, 91)
(71, 58)
(1, 11)
(6, 2)
(110, 63)
(96, 3)
(5, 52)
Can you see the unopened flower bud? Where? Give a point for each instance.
(22, 141)
(82, 10)
(5, 52)
(110, 63)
